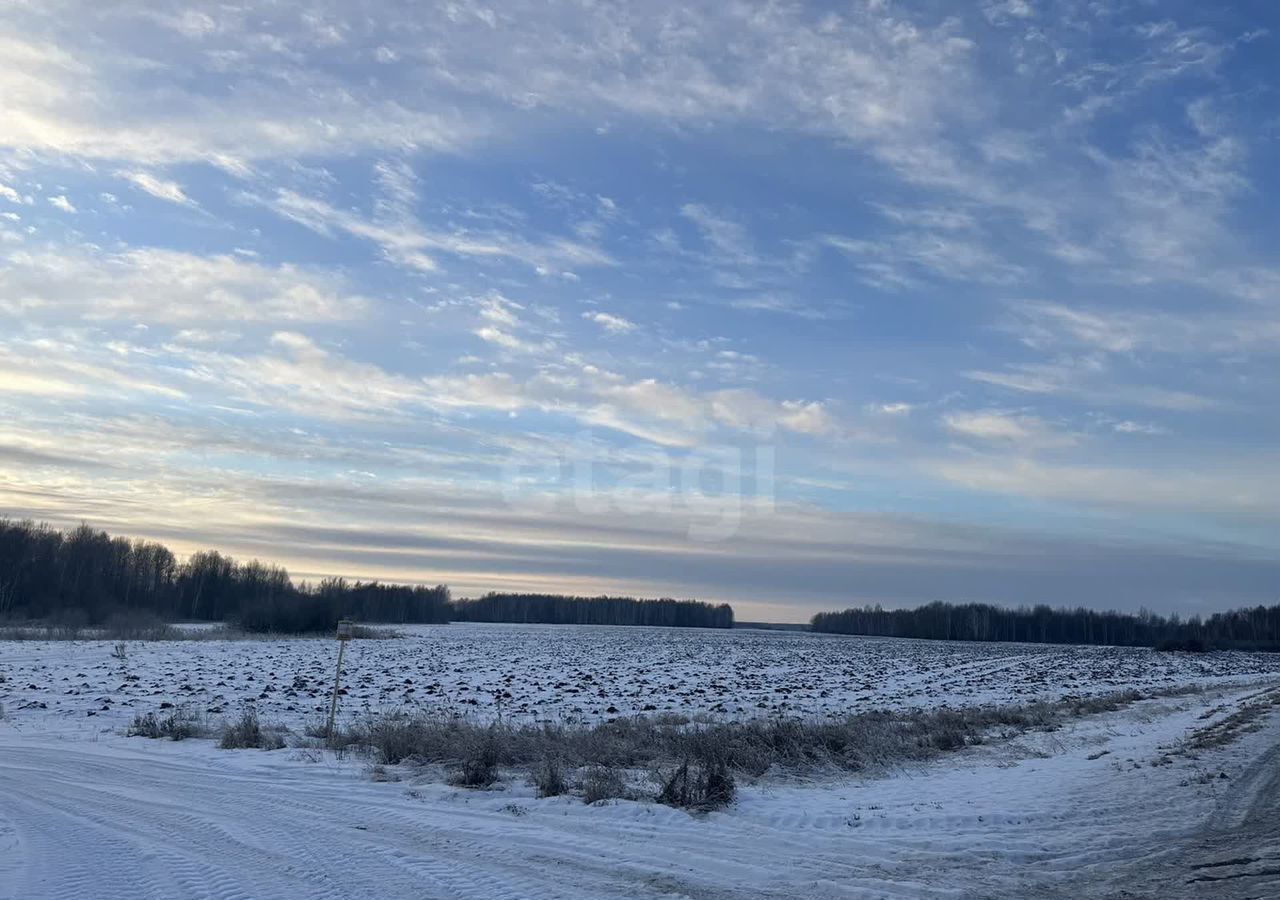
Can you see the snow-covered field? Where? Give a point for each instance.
(1106, 804)
(577, 673)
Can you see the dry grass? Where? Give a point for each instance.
(1243, 720)
(603, 783)
(247, 733)
(703, 786)
(696, 762)
(176, 725)
(548, 777)
(120, 627)
(478, 765)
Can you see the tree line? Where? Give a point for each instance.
(557, 609)
(1256, 628)
(85, 576)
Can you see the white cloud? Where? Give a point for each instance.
(158, 187)
(931, 218)
(509, 341)
(866, 76)
(60, 369)
(893, 409)
(610, 323)
(903, 87)
(61, 202)
(1001, 11)
(509, 325)
(21, 379)
(1128, 427)
(497, 391)
(500, 310)
(305, 378)
(398, 186)
(1041, 324)
(167, 286)
(82, 96)
(1001, 427)
(12, 196)
(810, 418)
(656, 411)
(1198, 332)
(728, 238)
(1243, 488)
(989, 426)
(898, 260)
(202, 336)
(406, 242)
(1089, 377)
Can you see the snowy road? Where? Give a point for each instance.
(129, 818)
(1233, 855)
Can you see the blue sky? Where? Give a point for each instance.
(797, 306)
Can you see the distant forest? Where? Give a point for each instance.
(1245, 629)
(553, 609)
(85, 577)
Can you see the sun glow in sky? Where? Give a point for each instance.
(797, 306)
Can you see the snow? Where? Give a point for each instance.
(87, 812)
(579, 673)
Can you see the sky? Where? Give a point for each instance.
(795, 306)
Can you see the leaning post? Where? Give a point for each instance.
(344, 635)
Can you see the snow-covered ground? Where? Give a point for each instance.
(1089, 810)
(1046, 815)
(583, 673)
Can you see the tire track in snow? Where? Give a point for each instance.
(110, 830)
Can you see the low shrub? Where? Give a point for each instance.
(247, 733)
(700, 786)
(175, 726)
(397, 738)
(603, 783)
(549, 778)
(479, 765)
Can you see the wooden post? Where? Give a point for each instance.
(344, 635)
